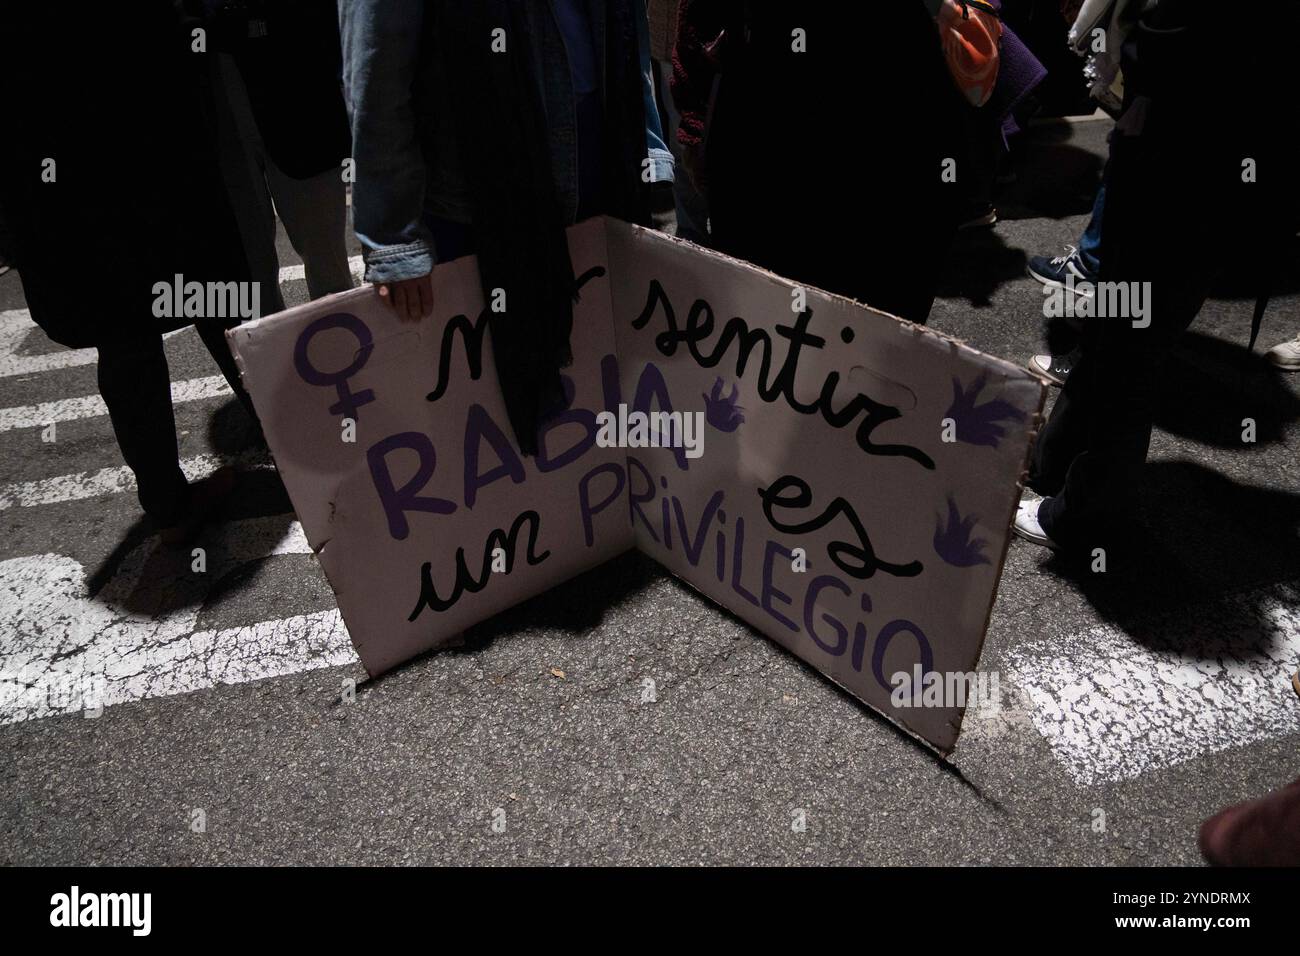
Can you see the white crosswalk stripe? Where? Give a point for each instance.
(1112, 708)
(92, 406)
(15, 325)
(111, 481)
(64, 652)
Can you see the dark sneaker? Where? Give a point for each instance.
(1056, 272)
(1054, 367)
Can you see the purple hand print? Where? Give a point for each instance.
(721, 410)
(954, 543)
(979, 424)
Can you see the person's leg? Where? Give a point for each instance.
(1118, 376)
(1122, 357)
(1065, 435)
(1117, 381)
(983, 138)
(1090, 241)
(314, 213)
(136, 388)
(242, 170)
(1082, 261)
(213, 334)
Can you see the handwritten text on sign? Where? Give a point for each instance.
(822, 503)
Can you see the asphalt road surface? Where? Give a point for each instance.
(1133, 704)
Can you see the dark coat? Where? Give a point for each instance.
(117, 102)
(288, 55)
(825, 165)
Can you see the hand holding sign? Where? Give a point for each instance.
(411, 299)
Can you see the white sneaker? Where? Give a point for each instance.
(1026, 524)
(1285, 356)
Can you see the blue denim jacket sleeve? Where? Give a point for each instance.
(661, 160)
(381, 45)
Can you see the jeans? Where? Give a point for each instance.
(395, 71)
(1090, 241)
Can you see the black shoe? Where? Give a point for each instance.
(207, 497)
(978, 216)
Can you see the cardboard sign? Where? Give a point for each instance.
(841, 480)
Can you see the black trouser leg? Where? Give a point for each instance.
(1106, 421)
(135, 385)
(1065, 435)
(213, 335)
(1090, 454)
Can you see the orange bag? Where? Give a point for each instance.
(969, 32)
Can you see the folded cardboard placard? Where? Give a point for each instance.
(849, 491)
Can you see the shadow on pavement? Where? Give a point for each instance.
(1203, 537)
(1212, 386)
(979, 263)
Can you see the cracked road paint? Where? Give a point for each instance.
(66, 652)
(1208, 678)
